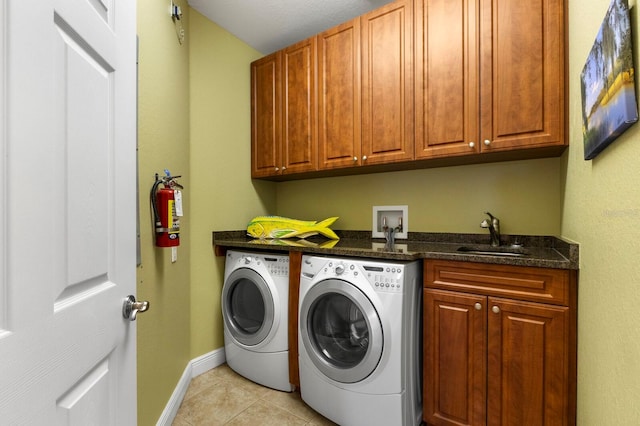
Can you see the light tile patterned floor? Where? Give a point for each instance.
(222, 397)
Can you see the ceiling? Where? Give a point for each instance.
(270, 25)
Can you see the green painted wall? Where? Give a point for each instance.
(524, 195)
(163, 139)
(602, 212)
(223, 195)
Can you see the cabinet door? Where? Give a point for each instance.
(523, 76)
(387, 84)
(339, 119)
(299, 138)
(447, 92)
(454, 358)
(528, 363)
(265, 116)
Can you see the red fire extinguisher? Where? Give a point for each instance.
(167, 210)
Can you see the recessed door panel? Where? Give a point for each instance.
(87, 402)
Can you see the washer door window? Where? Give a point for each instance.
(247, 306)
(341, 331)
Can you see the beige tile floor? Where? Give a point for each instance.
(222, 397)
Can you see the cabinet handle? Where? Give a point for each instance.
(355, 159)
(472, 144)
(478, 306)
(487, 142)
(364, 158)
(284, 168)
(495, 309)
(277, 169)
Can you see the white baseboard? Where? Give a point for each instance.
(206, 362)
(196, 367)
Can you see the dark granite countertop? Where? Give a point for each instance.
(535, 251)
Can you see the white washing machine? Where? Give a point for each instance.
(255, 302)
(359, 340)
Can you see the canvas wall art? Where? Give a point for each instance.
(609, 104)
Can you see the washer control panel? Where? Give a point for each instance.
(382, 276)
(387, 278)
(340, 269)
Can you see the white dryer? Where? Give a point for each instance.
(359, 340)
(255, 300)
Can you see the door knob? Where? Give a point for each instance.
(130, 307)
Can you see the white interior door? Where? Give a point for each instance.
(67, 222)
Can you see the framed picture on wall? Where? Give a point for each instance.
(609, 104)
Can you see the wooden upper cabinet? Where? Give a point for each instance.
(447, 72)
(387, 84)
(283, 111)
(339, 118)
(365, 89)
(265, 115)
(415, 80)
(299, 115)
(523, 74)
(489, 76)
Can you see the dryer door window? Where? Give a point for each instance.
(248, 307)
(341, 331)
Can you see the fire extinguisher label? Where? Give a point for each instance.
(178, 198)
(173, 221)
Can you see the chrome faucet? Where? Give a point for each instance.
(494, 229)
(389, 233)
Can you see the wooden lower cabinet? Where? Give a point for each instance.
(455, 354)
(491, 360)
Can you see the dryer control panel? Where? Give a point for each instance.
(277, 265)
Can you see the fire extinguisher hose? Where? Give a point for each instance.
(154, 202)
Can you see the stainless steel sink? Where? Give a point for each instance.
(494, 251)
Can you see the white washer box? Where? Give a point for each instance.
(359, 343)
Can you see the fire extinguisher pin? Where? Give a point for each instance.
(174, 183)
